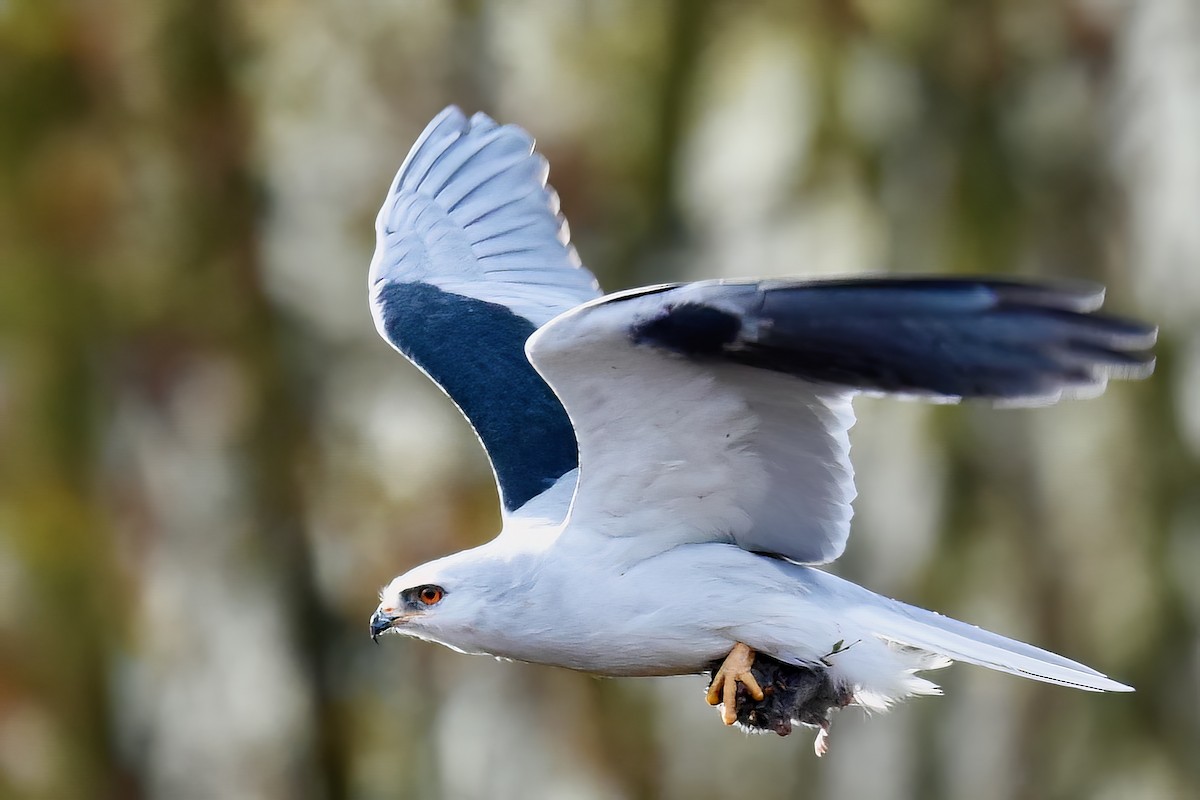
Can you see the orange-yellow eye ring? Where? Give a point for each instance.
(430, 595)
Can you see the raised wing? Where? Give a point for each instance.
(719, 411)
(472, 255)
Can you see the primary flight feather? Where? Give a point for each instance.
(672, 460)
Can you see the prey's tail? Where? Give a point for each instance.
(910, 626)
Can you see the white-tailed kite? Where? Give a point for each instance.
(673, 461)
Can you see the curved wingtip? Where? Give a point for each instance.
(470, 212)
(1016, 343)
(450, 121)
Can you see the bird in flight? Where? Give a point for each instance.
(673, 461)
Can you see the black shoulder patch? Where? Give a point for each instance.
(475, 351)
(691, 329)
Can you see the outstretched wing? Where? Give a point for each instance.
(471, 256)
(719, 411)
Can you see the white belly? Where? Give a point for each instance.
(586, 606)
(672, 614)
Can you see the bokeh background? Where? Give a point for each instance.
(209, 462)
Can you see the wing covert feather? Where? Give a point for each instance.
(675, 451)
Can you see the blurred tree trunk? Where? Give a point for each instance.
(95, 333)
(218, 314)
(57, 193)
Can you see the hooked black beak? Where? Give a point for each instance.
(380, 622)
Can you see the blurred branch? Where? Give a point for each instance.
(220, 211)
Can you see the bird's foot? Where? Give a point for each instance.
(723, 689)
(792, 694)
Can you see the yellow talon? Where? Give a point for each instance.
(734, 670)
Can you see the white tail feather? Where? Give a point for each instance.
(916, 627)
(887, 685)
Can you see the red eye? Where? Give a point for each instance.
(429, 595)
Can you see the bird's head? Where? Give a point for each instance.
(439, 601)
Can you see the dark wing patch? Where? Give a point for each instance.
(944, 337)
(475, 351)
(691, 329)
